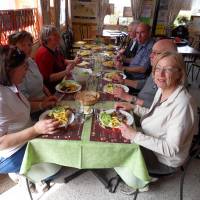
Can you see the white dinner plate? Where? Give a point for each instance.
(58, 87)
(108, 79)
(126, 89)
(129, 117)
(83, 64)
(44, 115)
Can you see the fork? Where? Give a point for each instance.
(61, 97)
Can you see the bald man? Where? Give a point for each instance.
(146, 95)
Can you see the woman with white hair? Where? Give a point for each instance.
(170, 123)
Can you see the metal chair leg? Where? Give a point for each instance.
(29, 191)
(100, 178)
(136, 194)
(113, 183)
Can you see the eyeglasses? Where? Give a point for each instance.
(155, 52)
(166, 70)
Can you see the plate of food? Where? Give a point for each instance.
(108, 53)
(109, 63)
(110, 47)
(87, 46)
(68, 86)
(84, 53)
(113, 118)
(61, 113)
(80, 42)
(96, 48)
(83, 64)
(114, 76)
(109, 88)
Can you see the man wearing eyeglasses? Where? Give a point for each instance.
(146, 95)
(140, 64)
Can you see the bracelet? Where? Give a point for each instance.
(40, 106)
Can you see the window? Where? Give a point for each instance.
(117, 17)
(18, 15)
(183, 18)
(62, 12)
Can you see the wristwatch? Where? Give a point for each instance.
(134, 99)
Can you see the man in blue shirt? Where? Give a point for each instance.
(140, 65)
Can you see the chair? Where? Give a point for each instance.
(68, 40)
(121, 40)
(194, 65)
(189, 60)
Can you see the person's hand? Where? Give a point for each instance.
(49, 102)
(121, 51)
(123, 105)
(46, 126)
(127, 131)
(119, 92)
(117, 77)
(69, 68)
(118, 65)
(78, 59)
(118, 57)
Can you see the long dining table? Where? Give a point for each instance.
(85, 144)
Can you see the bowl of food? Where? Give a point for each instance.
(81, 75)
(87, 99)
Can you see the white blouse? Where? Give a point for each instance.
(14, 115)
(168, 128)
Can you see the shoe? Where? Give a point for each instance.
(44, 186)
(154, 179)
(125, 189)
(32, 187)
(14, 177)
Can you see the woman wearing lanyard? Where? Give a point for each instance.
(16, 128)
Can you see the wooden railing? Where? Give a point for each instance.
(16, 20)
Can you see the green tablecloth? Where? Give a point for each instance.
(127, 159)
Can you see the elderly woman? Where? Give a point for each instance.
(32, 86)
(16, 128)
(51, 62)
(170, 123)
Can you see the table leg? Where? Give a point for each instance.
(74, 175)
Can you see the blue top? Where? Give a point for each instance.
(142, 59)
